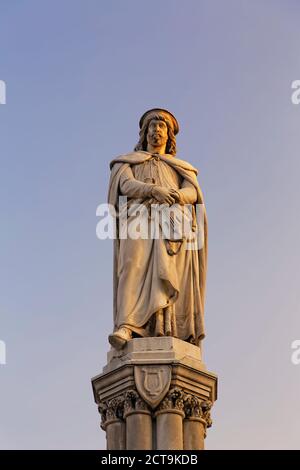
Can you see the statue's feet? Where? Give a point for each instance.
(119, 338)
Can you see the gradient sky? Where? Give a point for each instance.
(79, 74)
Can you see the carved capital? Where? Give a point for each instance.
(134, 403)
(206, 407)
(174, 401)
(111, 410)
(102, 408)
(192, 407)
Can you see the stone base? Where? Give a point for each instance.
(156, 393)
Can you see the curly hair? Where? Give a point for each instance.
(142, 143)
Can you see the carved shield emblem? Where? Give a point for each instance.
(152, 382)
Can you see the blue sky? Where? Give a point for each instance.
(79, 74)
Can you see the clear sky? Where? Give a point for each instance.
(79, 74)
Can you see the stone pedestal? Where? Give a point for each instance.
(156, 393)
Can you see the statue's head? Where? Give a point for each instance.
(160, 126)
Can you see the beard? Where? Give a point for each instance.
(156, 140)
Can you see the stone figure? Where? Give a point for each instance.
(159, 284)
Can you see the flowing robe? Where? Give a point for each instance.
(159, 286)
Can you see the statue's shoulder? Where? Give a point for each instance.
(179, 163)
(131, 158)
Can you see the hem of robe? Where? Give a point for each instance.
(143, 333)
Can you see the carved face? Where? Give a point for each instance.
(157, 134)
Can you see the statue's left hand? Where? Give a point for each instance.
(163, 195)
(176, 195)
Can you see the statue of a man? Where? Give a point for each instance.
(159, 284)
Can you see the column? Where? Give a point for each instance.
(112, 422)
(169, 416)
(197, 419)
(138, 422)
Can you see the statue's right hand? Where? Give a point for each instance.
(163, 195)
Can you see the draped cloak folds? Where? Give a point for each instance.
(147, 279)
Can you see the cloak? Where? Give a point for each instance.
(165, 270)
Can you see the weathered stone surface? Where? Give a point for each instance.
(170, 400)
(156, 350)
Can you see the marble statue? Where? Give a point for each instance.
(159, 284)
